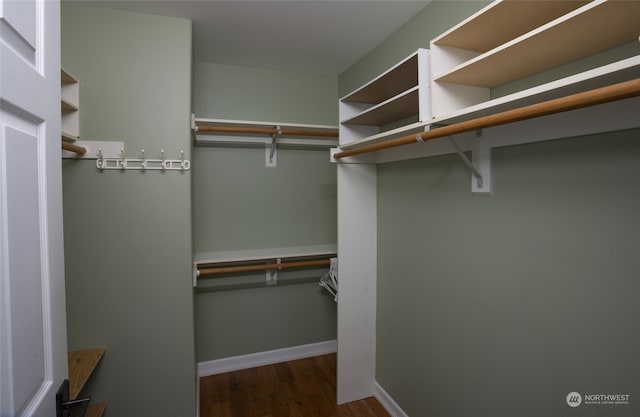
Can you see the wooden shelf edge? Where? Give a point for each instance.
(82, 363)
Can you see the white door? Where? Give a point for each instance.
(33, 358)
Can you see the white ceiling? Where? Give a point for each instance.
(310, 36)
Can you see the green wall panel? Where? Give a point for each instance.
(239, 204)
(242, 93)
(502, 305)
(128, 234)
(249, 320)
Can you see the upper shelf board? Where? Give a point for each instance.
(400, 107)
(590, 29)
(392, 82)
(613, 73)
(513, 18)
(251, 123)
(65, 77)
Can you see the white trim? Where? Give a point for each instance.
(236, 363)
(387, 402)
(253, 123)
(198, 399)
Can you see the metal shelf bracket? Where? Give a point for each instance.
(272, 275)
(271, 157)
(481, 160)
(479, 165)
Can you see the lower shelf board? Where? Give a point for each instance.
(81, 366)
(96, 410)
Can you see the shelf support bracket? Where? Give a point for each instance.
(272, 157)
(272, 275)
(480, 165)
(481, 159)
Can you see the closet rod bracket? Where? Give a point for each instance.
(272, 275)
(479, 165)
(271, 157)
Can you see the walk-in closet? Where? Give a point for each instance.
(442, 225)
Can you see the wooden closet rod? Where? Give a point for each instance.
(80, 150)
(267, 131)
(601, 95)
(263, 267)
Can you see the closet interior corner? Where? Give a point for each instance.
(270, 210)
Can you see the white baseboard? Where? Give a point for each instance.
(236, 363)
(387, 402)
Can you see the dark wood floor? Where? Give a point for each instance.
(301, 388)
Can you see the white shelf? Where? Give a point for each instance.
(514, 18)
(219, 257)
(464, 71)
(401, 77)
(70, 106)
(269, 256)
(248, 138)
(382, 136)
(400, 107)
(599, 77)
(400, 93)
(266, 124)
(69, 137)
(67, 105)
(505, 41)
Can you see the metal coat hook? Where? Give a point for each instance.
(100, 160)
(143, 163)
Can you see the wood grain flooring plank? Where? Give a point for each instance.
(300, 388)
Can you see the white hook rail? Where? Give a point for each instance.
(143, 163)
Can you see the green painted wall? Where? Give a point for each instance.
(502, 305)
(238, 203)
(128, 234)
(435, 18)
(243, 93)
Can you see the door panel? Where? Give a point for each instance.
(33, 359)
(25, 339)
(18, 27)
